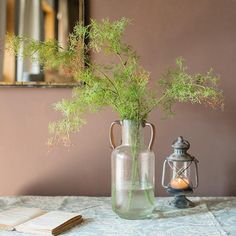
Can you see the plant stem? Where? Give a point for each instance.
(156, 103)
(134, 169)
(106, 76)
(136, 145)
(120, 58)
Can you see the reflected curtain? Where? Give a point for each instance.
(2, 34)
(68, 15)
(62, 17)
(30, 25)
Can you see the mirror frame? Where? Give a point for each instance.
(40, 84)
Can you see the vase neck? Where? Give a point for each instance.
(132, 133)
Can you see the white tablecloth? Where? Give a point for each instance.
(210, 216)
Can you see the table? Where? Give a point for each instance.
(210, 217)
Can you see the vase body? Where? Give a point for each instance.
(133, 172)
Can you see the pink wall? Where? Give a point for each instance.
(204, 33)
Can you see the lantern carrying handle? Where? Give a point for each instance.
(153, 131)
(187, 142)
(111, 135)
(196, 171)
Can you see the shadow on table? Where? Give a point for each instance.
(204, 205)
(219, 203)
(171, 212)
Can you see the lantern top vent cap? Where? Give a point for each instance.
(181, 143)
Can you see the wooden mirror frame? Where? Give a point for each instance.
(9, 65)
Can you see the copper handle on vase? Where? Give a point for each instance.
(111, 135)
(153, 131)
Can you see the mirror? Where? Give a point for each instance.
(40, 20)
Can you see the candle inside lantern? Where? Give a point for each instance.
(179, 183)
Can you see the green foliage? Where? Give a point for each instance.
(123, 84)
(180, 86)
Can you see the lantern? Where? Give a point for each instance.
(182, 169)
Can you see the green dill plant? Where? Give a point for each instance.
(123, 84)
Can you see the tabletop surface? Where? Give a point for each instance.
(210, 217)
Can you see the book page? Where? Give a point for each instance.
(55, 221)
(15, 216)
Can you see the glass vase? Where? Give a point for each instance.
(133, 171)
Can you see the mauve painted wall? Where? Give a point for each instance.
(204, 32)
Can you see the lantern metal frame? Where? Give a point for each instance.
(180, 155)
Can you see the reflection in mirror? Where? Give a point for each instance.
(40, 20)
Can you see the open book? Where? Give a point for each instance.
(37, 221)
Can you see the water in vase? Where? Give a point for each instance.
(137, 203)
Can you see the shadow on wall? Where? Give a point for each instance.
(230, 165)
(77, 179)
(230, 173)
(69, 182)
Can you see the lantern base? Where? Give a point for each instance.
(181, 202)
